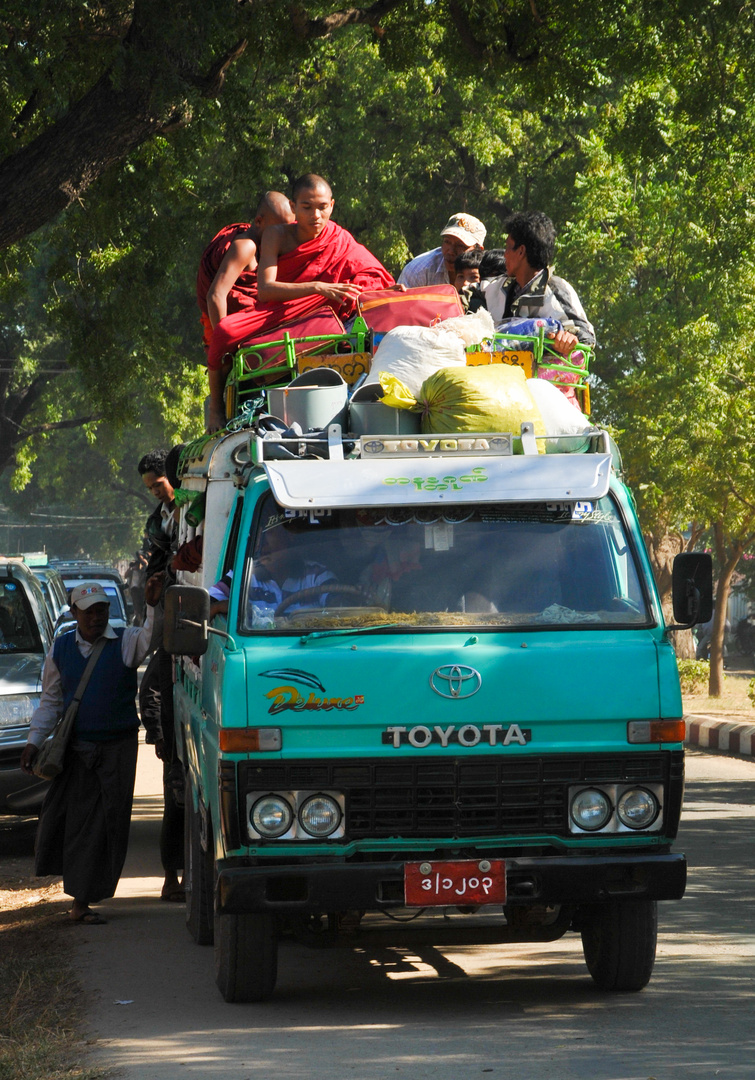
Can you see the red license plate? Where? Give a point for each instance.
(429, 884)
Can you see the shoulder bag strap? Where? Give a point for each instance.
(93, 658)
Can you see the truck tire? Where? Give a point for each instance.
(199, 876)
(246, 956)
(619, 943)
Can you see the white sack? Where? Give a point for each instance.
(559, 415)
(413, 353)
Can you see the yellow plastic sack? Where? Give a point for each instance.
(397, 394)
(490, 398)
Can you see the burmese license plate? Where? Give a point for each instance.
(464, 882)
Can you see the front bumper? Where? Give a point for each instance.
(327, 887)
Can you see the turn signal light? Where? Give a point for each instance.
(250, 740)
(656, 731)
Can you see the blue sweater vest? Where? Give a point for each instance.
(107, 710)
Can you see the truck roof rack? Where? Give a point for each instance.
(325, 471)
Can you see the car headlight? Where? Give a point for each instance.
(271, 816)
(320, 815)
(637, 808)
(16, 709)
(591, 809)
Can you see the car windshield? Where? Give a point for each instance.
(485, 565)
(18, 628)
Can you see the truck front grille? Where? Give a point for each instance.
(459, 797)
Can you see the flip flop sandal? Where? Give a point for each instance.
(174, 896)
(90, 918)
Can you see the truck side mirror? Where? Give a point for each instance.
(187, 612)
(692, 588)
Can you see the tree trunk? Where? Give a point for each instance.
(723, 588)
(662, 549)
(56, 168)
(728, 561)
(164, 64)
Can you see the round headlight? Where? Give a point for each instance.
(591, 809)
(637, 808)
(320, 815)
(271, 816)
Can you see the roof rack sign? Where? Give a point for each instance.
(467, 478)
(479, 445)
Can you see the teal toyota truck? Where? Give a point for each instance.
(426, 696)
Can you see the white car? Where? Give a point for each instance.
(25, 638)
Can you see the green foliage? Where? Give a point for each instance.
(693, 675)
(751, 692)
(630, 125)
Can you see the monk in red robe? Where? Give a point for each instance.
(227, 275)
(303, 266)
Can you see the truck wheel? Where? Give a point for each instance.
(246, 956)
(619, 943)
(199, 876)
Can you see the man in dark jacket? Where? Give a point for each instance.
(161, 523)
(530, 289)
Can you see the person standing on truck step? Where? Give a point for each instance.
(161, 523)
(303, 267)
(437, 267)
(86, 815)
(156, 689)
(529, 289)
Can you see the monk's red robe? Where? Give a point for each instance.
(334, 256)
(244, 290)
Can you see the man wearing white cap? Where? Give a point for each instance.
(436, 267)
(85, 819)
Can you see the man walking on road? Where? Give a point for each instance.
(86, 816)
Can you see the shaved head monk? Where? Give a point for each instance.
(303, 266)
(227, 276)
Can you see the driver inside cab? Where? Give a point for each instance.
(284, 579)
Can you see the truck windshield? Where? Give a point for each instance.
(486, 565)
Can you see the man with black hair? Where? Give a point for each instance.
(161, 525)
(530, 289)
(159, 473)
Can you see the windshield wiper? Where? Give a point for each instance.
(317, 634)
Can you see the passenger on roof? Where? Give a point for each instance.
(467, 270)
(436, 267)
(227, 275)
(303, 266)
(530, 290)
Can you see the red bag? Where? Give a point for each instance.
(386, 308)
(320, 323)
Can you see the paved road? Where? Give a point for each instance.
(523, 1012)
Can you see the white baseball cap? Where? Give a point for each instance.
(88, 593)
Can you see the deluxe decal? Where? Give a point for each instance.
(288, 697)
(466, 735)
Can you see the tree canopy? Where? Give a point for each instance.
(131, 131)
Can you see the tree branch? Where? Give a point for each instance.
(328, 24)
(59, 425)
